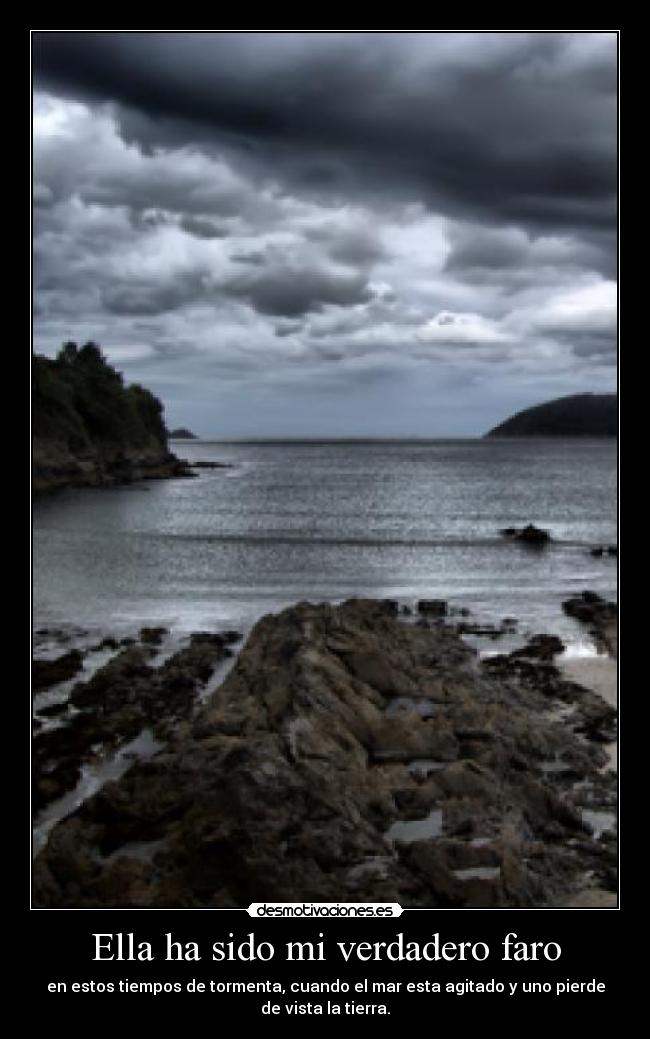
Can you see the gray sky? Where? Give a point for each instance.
(330, 234)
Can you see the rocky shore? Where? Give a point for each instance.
(55, 466)
(348, 755)
(92, 430)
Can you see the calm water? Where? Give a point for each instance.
(328, 521)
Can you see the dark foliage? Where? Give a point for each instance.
(80, 400)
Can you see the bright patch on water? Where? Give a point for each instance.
(143, 851)
(416, 829)
(407, 704)
(478, 873)
(580, 649)
(423, 767)
(599, 822)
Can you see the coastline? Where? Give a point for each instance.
(405, 769)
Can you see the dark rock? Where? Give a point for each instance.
(153, 636)
(53, 709)
(229, 637)
(432, 607)
(542, 647)
(528, 535)
(285, 785)
(107, 643)
(46, 673)
(117, 703)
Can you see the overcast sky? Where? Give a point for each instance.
(330, 234)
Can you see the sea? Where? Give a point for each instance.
(329, 520)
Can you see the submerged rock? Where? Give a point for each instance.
(432, 607)
(290, 782)
(528, 535)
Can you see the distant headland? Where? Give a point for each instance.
(581, 415)
(90, 429)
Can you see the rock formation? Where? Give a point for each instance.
(349, 756)
(528, 535)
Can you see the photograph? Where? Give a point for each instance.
(324, 470)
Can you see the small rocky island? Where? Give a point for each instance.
(182, 434)
(584, 414)
(90, 429)
(347, 756)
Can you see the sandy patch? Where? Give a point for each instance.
(601, 675)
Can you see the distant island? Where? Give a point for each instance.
(90, 429)
(182, 434)
(580, 415)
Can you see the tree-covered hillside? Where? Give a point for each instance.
(80, 398)
(89, 427)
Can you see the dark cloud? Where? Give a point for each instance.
(286, 292)
(373, 220)
(503, 126)
(355, 245)
(148, 298)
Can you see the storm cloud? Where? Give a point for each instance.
(262, 214)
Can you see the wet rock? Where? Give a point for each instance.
(229, 637)
(106, 643)
(287, 784)
(432, 607)
(46, 673)
(122, 698)
(541, 647)
(153, 636)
